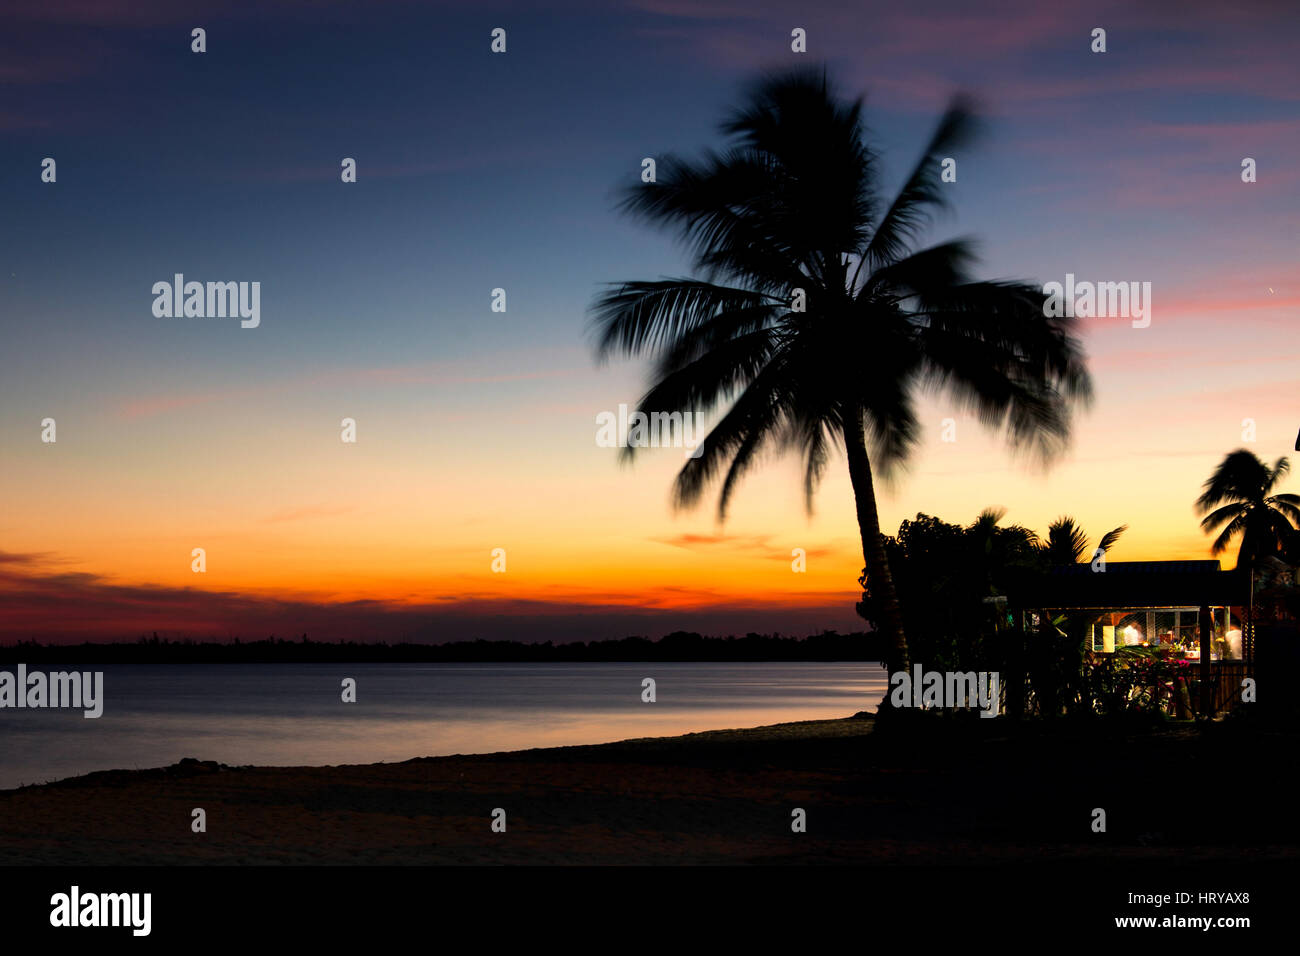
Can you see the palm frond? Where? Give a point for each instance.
(1066, 542)
(1110, 537)
(923, 194)
(1221, 515)
(1241, 476)
(635, 317)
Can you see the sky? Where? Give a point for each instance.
(476, 428)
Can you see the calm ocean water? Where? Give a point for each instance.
(292, 715)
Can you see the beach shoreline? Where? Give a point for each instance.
(983, 794)
(976, 791)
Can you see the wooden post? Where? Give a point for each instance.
(1207, 687)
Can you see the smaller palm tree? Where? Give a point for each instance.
(1067, 543)
(1055, 660)
(1237, 499)
(998, 546)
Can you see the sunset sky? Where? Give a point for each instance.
(476, 429)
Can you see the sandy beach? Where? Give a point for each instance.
(974, 793)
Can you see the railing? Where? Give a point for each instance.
(1226, 690)
(1172, 686)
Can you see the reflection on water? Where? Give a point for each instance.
(292, 714)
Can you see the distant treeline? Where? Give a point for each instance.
(678, 646)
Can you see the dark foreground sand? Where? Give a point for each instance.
(971, 792)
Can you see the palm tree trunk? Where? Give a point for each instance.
(881, 582)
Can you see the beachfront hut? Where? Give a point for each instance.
(1186, 610)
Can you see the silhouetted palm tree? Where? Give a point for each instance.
(1067, 543)
(996, 546)
(1237, 497)
(816, 323)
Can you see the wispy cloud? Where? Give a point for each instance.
(81, 606)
